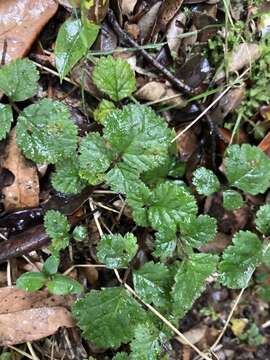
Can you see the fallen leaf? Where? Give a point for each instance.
(21, 22)
(128, 6)
(187, 143)
(175, 29)
(264, 145)
(194, 335)
(166, 13)
(24, 191)
(238, 326)
(148, 20)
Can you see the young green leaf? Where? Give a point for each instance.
(46, 133)
(31, 281)
(165, 243)
(205, 181)
(66, 177)
(19, 79)
(262, 220)
(63, 285)
(240, 260)
(247, 168)
(198, 231)
(152, 283)
(190, 281)
(232, 200)
(6, 118)
(122, 178)
(104, 108)
(114, 77)
(117, 251)
(50, 266)
(108, 317)
(72, 43)
(80, 233)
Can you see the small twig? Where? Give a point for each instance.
(53, 72)
(4, 52)
(32, 352)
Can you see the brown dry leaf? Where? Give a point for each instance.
(194, 335)
(264, 145)
(167, 12)
(174, 32)
(187, 144)
(24, 191)
(128, 6)
(21, 22)
(148, 20)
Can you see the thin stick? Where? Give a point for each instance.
(53, 72)
(32, 352)
(20, 352)
(68, 271)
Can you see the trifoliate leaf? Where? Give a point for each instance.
(19, 79)
(63, 285)
(80, 233)
(104, 108)
(108, 317)
(198, 231)
(72, 43)
(46, 133)
(66, 177)
(6, 118)
(114, 77)
(120, 356)
(232, 200)
(152, 283)
(117, 251)
(147, 343)
(170, 205)
(51, 265)
(262, 220)
(190, 281)
(247, 168)
(31, 281)
(240, 260)
(165, 243)
(94, 159)
(57, 227)
(205, 181)
(140, 136)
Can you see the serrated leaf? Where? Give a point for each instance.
(72, 43)
(198, 231)
(139, 135)
(108, 317)
(80, 233)
(205, 181)
(114, 77)
(232, 200)
(94, 159)
(152, 282)
(116, 251)
(122, 178)
(190, 281)
(66, 177)
(63, 285)
(46, 133)
(50, 266)
(165, 243)
(6, 118)
(240, 260)
(171, 204)
(247, 168)
(262, 220)
(147, 343)
(31, 281)
(19, 79)
(104, 108)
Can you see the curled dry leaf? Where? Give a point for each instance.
(166, 13)
(24, 191)
(148, 20)
(175, 29)
(128, 6)
(21, 22)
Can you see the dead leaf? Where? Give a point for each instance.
(166, 13)
(194, 335)
(148, 20)
(187, 144)
(128, 6)
(238, 326)
(95, 10)
(175, 29)
(264, 145)
(24, 191)
(21, 22)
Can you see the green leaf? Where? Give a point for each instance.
(6, 118)
(152, 283)
(262, 220)
(165, 243)
(19, 79)
(51, 265)
(170, 205)
(247, 168)
(232, 200)
(198, 231)
(116, 251)
(108, 317)
(205, 181)
(5, 356)
(147, 343)
(190, 281)
(114, 77)
(31, 281)
(57, 227)
(121, 356)
(122, 178)
(72, 43)
(104, 108)
(46, 133)
(63, 285)
(66, 177)
(94, 159)
(266, 256)
(80, 233)
(240, 260)
(140, 136)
